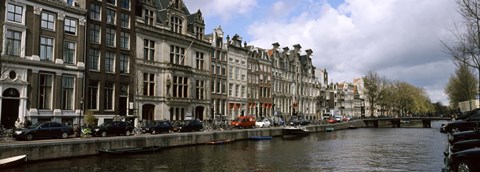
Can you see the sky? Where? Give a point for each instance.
(398, 39)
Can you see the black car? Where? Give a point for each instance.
(464, 135)
(43, 130)
(155, 127)
(297, 120)
(466, 160)
(469, 123)
(113, 128)
(190, 125)
(464, 145)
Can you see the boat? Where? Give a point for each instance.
(294, 131)
(131, 150)
(330, 129)
(13, 161)
(217, 142)
(260, 138)
(352, 127)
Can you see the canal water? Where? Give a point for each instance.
(363, 149)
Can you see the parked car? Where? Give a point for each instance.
(113, 128)
(331, 120)
(243, 122)
(297, 120)
(466, 160)
(464, 145)
(338, 118)
(264, 122)
(464, 135)
(43, 130)
(469, 123)
(163, 126)
(190, 125)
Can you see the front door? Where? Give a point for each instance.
(147, 112)
(10, 104)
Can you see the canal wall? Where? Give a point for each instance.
(75, 147)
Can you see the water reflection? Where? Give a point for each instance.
(381, 149)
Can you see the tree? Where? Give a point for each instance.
(466, 49)
(461, 86)
(373, 84)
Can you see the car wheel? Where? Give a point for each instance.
(29, 137)
(127, 133)
(240, 127)
(64, 135)
(463, 167)
(103, 134)
(154, 132)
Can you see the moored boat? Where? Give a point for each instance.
(295, 131)
(12, 161)
(132, 150)
(330, 129)
(217, 142)
(260, 137)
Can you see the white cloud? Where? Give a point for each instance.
(225, 9)
(399, 39)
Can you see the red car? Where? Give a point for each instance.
(331, 120)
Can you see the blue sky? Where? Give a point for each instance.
(399, 39)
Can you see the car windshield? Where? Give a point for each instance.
(238, 120)
(106, 124)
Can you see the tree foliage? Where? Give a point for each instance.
(461, 86)
(374, 84)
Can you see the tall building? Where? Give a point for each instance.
(172, 62)
(237, 77)
(218, 72)
(260, 70)
(42, 60)
(109, 61)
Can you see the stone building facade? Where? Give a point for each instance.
(173, 62)
(237, 77)
(218, 72)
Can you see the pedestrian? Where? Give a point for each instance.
(18, 123)
(27, 122)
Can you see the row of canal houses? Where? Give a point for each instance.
(62, 59)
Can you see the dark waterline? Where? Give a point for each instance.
(379, 149)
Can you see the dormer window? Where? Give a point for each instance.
(199, 32)
(148, 16)
(176, 24)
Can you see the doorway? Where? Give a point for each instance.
(147, 112)
(10, 104)
(199, 112)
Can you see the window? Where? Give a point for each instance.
(176, 24)
(148, 50)
(123, 63)
(237, 72)
(48, 21)
(243, 78)
(177, 55)
(199, 32)
(212, 83)
(124, 40)
(200, 90)
(148, 16)
(212, 69)
(108, 99)
(199, 58)
(223, 70)
(45, 92)
(92, 95)
(95, 12)
(124, 20)
(13, 44)
(219, 88)
(124, 89)
(67, 92)
(94, 33)
(230, 90)
(180, 86)
(110, 16)
(14, 13)
(242, 93)
(148, 84)
(125, 4)
(224, 87)
(237, 89)
(218, 69)
(230, 72)
(109, 61)
(68, 52)
(111, 2)
(46, 48)
(93, 57)
(70, 26)
(110, 37)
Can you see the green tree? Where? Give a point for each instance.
(461, 85)
(373, 84)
